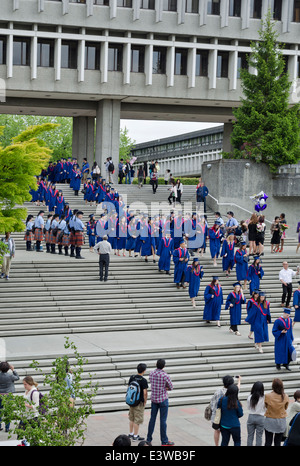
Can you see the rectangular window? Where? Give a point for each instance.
(92, 56)
(296, 17)
(255, 9)
(148, 4)
(191, 6)
(101, 2)
(137, 59)
(45, 53)
(213, 7)
(77, 1)
(170, 5)
(277, 10)
(69, 54)
(21, 51)
(2, 50)
(222, 65)
(124, 3)
(180, 61)
(235, 8)
(202, 63)
(159, 60)
(115, 57)
(242, 63)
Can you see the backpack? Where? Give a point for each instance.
(133, 393)
(42, 409)
(111, 167)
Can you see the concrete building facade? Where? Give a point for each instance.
(101, 60)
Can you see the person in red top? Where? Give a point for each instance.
(160, 384)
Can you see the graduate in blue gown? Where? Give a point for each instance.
(213, 298)
(194, 274)
(178, 225)
(259, 317)
(254, 274)
(227, 254)
(77, 181)
(234, 302)
(283, 334)
(121, 234)
(296, 304)
(132, 234)
(59, 204)
(180, 258)
(215, 235)
(253, 301)
(241, 259)
(147, 240)
(165, 251)
(90, 231)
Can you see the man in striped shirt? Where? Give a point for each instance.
(160, 384)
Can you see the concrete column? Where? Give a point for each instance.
(148, 64)
(108, 134)
(170, 66)
(126, 61)
(202, 12)
(83, 139)
(227, 146)
(245, 13)
(33, 58)
(158, 10)
(212, 68)
(9, 55)
(224, 10)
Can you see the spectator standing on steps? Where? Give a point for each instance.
(9, 254)
(103, 248)
(136, 413)
(160, 384)
(286, 277)
(8, 376)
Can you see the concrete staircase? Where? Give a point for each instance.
(63, 296)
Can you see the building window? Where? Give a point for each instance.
(191, 6)
(242, 63)
(69, 54)
(213, 7)
(124, 3)
(21, 51)
(180, 61)
(101, 2)
(277, 10)
(159, 60)
(115, 57)
(170, 5)
(137, 59)
(92, 56)
(202, 63)
(296, 16)
(234, 7)
(45, 53)
(255, 9)
(2, 50)
(147, 4)
(222, 65)
(77, 1)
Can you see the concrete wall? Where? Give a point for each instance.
(232, 182)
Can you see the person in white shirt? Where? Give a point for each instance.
(9, 254)
(103, 248)
(256, 409)
(286, 277)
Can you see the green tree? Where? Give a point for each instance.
(63, 420)
(266, 128)
(126, 144)
(20, 163)
(59, 141)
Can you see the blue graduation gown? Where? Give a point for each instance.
(241, 265)
(90, 231)
(212, 307)
(121, 236)
(180, 266)
(148, 242)
(227, 254)
(259, 317)
(194, 279)
(214, 242)
(283, 341)
(59, 205)
(255, 274)
(165, 251)
(77, 182)
(178, 231)
(235, 311)
(296, 302)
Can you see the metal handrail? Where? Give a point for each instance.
(235, 205)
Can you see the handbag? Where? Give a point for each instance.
(217, 419)
(208, 412)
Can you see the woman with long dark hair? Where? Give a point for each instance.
(231, 412)
(256, 409)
